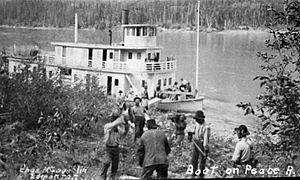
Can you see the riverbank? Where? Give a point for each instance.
(160, 28)
(87, 153)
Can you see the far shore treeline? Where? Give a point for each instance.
(100, 14)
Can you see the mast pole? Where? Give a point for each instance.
(197, 51)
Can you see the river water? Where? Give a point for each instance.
(227, 63)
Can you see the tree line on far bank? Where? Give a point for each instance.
(99, 14)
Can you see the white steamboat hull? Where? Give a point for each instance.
(188, 105)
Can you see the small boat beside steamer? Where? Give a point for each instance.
(180, 102)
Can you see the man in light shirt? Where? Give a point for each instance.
(117, 128)
(139, 117)
(242, 152)
(201, 139)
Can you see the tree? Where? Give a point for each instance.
(279, 107)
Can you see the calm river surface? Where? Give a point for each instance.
(227, 65)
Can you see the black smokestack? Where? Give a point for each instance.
(125, 13)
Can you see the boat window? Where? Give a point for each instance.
(149, 56)
(111, 55)
(129, 55)
(144, 31)
(15, 68)
(90, 64)
(138, 31)
(116, 82)
(104, 55)
(151, 31)
(50, 74)
(159, 82)
(139, 55)
(90, 54)
(170, 81)
(66, 71)
(64, 51)
(127, 32)
(165, 82)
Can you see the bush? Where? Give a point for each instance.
(50, 123)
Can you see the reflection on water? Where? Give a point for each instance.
(227, 64)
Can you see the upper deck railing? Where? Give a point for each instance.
(126, 67)
(149, 67)
(160, 66)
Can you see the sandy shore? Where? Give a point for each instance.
(223, 117)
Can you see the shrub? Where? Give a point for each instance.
(49, 120)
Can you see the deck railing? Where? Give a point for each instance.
(150, 67)
(121, 66)
(160, 66)
(48, 59)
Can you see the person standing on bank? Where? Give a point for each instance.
(153, 151)
(157, 92)
(118, 127)
(242, 152)
(200, 142)
(139, 117)
(180, 125)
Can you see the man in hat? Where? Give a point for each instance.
(152, 152)
(139, 117)
(201, 134)
(120, 97)
(242, 152)
(157, 91)
(112, 132)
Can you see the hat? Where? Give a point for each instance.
(151, 124)
(182, 116)
(120, 91)
(199, 115)
(242, 130)
(137, 98)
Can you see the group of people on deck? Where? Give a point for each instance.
(153, 146)
(184, 86)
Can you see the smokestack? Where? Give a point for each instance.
(110, 37)
(125, 13)
(76, 29)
